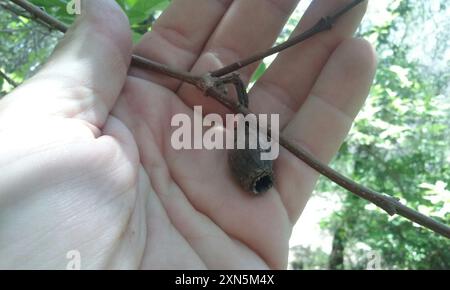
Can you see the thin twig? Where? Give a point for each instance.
(42, 15)
(8, 79)
(325, 23)
(164, 69)
(209, 85)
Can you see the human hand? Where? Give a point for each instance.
(86, 154)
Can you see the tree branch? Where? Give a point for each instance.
(210, 85)
(325, 23)
(42, 15)
(8, 79)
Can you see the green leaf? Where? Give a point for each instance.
(139, 11)
(259, 72)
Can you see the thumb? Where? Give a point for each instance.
(86, 72)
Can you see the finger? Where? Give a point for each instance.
(85, 74)
(247, 27)
(288, 81)
(178, 36)
(325, 118)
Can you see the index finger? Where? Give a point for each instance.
(178, 36)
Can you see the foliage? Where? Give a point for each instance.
(399, 146)
(307, 258)
(24, 46)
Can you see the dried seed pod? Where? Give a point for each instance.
(252, 173)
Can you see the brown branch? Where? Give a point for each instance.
(325, 23)
(165, 70)
(208, 83)
(42, 15)
(8, 79)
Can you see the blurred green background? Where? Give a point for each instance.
(399, 144)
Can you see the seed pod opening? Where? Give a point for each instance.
(252, 173)
(263, 184)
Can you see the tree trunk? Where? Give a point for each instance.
(336, 261)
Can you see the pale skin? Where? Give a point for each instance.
(85, 151)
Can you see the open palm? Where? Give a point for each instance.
(86, 159)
